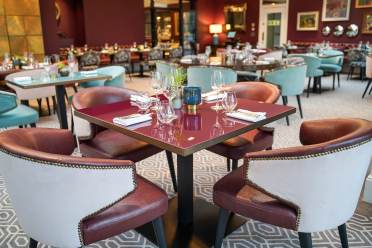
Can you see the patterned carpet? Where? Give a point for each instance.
(209, 168)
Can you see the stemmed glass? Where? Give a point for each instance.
(156, 86)
(144, 105)
(217, 84)
(47, 64)
(229, 101)
(168, 87)
(165, 113)
(208, 51)
(71, 62)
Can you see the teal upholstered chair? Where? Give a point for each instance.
(201, 76)
(332, 63)
(117, 74)
(291, 81)
(12, 114)
(313, 72)
(164, 68)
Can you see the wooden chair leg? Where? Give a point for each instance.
(367, 87)
(235, 164)
(223, 218)
(305, 240)
(338, 79)
(299, 105)
(159, 232)
(171, 170)
(308, 87)
(48, 105)
(33, 243)
(228, 164)
(39, 101)
(54, 104)
(343, 236)
(334, 81)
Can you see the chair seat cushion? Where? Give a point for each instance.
(330, 68)
(143, 205)
(316, 73)
(111, 144)
(237, 147)
(21, 115)
(234, 194)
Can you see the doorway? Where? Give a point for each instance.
(273, 23)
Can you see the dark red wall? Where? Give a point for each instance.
(49, 24)
(356, 17)
(121, 21)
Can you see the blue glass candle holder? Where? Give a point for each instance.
(192, 97)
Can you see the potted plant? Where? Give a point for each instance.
(179, 79)
(63, 69)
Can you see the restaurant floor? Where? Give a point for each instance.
(344, 102)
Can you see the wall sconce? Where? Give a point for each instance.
(215, 29)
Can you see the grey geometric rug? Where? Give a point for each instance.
(208, 169)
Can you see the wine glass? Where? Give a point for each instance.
(168, 87)
(47, 64)
(216, 81)
(165, 113)
(208, 51)
(145, 104)
(71, 62)
(229, 101)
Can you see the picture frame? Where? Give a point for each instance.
(308, 21)
(336, 10)
(367, 23)
(363, 4)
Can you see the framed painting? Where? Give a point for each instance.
(363, 3)
(307, 21)
(367, 23)
(336, 10)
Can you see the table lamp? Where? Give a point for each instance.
(215, 29)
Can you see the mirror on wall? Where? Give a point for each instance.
(338, 31)
(326, 31)
(352, 31)
(235, 15)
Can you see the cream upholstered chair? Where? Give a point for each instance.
(310, 188)
(66, 201)
(368, 74)
(24, 95)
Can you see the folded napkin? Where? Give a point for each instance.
(186, 61)
(93, 72)
(137, 98)
(22, 79)
(27, 67)
(247, 115)
(132, 119)
(261, 62)
(212, 96)
(270, 59)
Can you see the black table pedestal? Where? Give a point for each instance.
(61, 106)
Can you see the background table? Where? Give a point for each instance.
(190, 133)
(60, 83)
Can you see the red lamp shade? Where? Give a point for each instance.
(215, 28)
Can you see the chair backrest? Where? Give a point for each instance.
(90, 58)
(117, 74)
(8, 101)
(30, 94)
(52, 192)
(369, 66)
(335, 57)
(323, 178)
(91, 97)
(164, 68)
(355, 55)
(201, 76)
(313, 63)
(277, 55)
(122, 56)
(291, 80)
(175, 53)
(156, 54)
(257, 91)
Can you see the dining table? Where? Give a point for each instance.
(190, 221)
(59, 83)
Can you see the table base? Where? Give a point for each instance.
(200, 234)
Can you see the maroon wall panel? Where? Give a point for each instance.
(316, 36)
(49, 24)
(121, 21)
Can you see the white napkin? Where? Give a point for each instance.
(22, 79)
(137, 98)
(27, 67)
(212, 96)
(93, 72)
(270, 59)
(261, 62)
(247, 115)
(132, 119)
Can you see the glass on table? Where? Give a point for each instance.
(216, 85)
(166, 113)
(229, 101)
(144, 103)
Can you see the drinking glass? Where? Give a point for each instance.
(216, 80)
(71, 62)
(229, 101)
(143, 105)
(156, 86)
(47, 64)
(168, 88)
(208, 51)
(165, 113)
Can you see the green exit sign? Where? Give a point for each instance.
(274, 23)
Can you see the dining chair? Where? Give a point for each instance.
(313, 72)
(97, 142)
(368, 74)
(309, 188)
(202, 76)
(356, 59)
(25, 95)
(13, 115)
(123, 58)
(332, 63)
(66, 201)
(117, 74)
(154, 55)
(89, 60)
(176, 53)
(291, 82)
(259, 139)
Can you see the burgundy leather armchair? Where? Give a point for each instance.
(310, 188)
(66, 201)
(97, 142)
(253, 141)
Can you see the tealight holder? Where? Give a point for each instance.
(192, 98)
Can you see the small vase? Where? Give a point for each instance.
(177, 100)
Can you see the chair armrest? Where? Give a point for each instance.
(8, 101)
